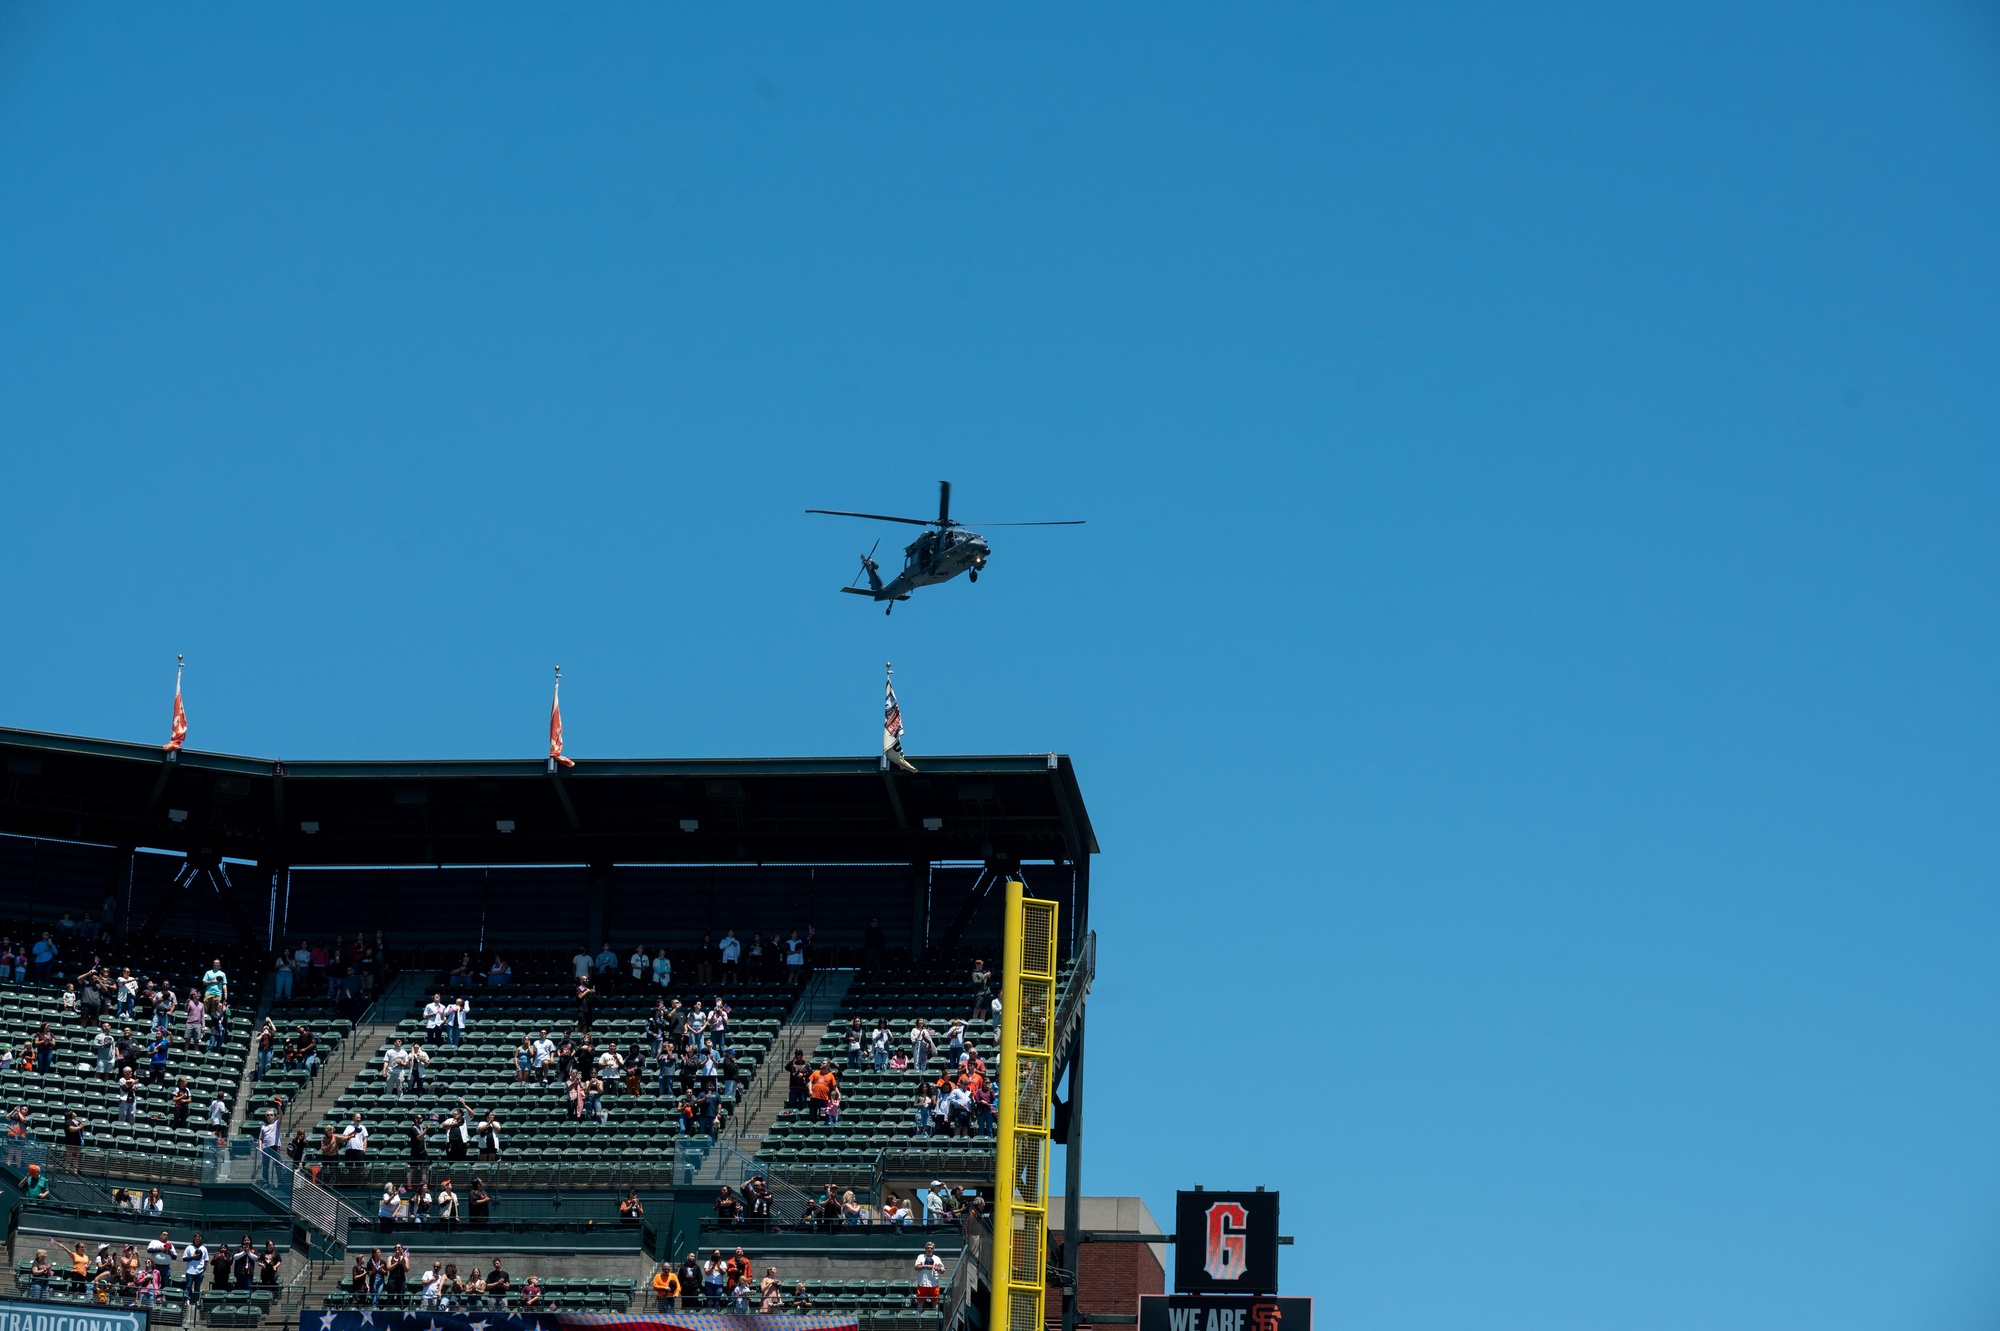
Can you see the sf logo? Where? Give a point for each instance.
(1227, 1245)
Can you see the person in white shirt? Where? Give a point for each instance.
(642, 965)
(161, 1252)
(434, 1018)
(267, 1134)
(930, 1276)
(545, 1055)
(195, 1257)
(354, 1139)
(795, 956)
(218, 1111)
(732, 952)
(581, 961)
(663, 968)
(454, 1020)
(395, 1060)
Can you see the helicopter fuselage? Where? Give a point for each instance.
(937, 556)
(940, 556)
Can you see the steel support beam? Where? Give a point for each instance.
(600, 905)
(920, 907)
(1073, 1182)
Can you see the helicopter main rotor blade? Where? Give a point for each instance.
(878, 517)
(1072, 522)
(944, 504)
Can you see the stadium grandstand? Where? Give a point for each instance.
(288, 1038)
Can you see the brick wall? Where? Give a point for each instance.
(1111, 1279)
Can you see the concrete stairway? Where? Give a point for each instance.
(764, 1098)
(362, 1047)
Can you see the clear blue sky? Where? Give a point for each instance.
(1532, 657)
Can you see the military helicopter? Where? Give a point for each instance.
(936, 556)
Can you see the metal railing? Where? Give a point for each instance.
(699, 1161)
(83, 1162)
(1075, 991)
(272, 1175)
(302, 1288)
(604, 1172)
(332, 1049)
(339, 1066)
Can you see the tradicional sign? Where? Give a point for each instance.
(33, 1315)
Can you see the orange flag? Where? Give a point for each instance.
(180, 713)
(555, 725)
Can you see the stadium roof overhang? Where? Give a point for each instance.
(601, 811)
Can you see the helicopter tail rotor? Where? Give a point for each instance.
(869, 568)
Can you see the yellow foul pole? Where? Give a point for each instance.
(1021, 1173)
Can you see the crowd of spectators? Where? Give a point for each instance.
(349, 972)
(122, 1276)
(750, 1205)
(724, 1283)
(101, 995)
(719, 1283)
(386, 1279)
(727, 960)
(958, 1102)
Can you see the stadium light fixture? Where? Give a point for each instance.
(504, 824)
(309, 828)
(690, 824)
(933, 824)
(177, 815)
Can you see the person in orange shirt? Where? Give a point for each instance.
(667, 1289)
(820, 1088)
(79, 1264)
